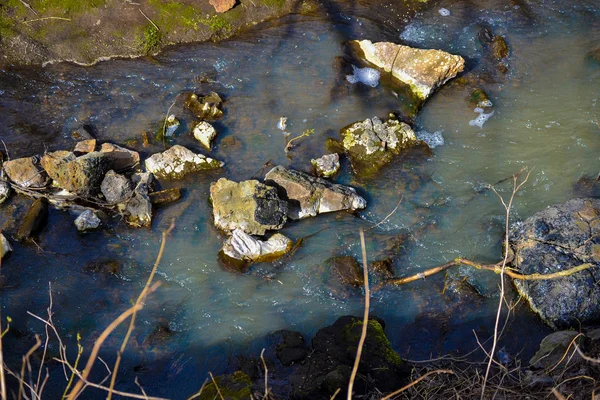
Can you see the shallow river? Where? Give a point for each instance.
(545, 118)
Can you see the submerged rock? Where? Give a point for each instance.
(80, 175)
(178, 161)
(26, 172)
(308, 196)
(87, 221)
(557, 239)
(116, 188)
(138, 209)
(422, 70)
(205, 133)
(248, 205)
(165, 196)
(347, 270)
(290, 347)
(35, 219)
(327, 165)
(240, 249)
(4, 191)
(371, 143)
(5, 246)
(171, 126)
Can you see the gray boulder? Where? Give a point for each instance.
(421, 70)
(116, 188)
(248, 205)
(87, 221)
(557, 239)
(138, 209)
(4, 191)
(327, 165)
(178, 161)
(26, 172)
(308, 196)
(120, 158)
(370, 144)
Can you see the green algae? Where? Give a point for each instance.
(236, 386)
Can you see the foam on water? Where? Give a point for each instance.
(432, 139)
(482, 118)
(368, 76)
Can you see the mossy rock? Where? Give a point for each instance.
(236, 386)
(499, 47)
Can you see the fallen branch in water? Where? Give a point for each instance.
(497, 268)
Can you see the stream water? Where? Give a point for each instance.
(545, 117)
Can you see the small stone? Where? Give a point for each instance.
(87, 221)
(327, 165)
(116, 188)
(121, 158)
(138, 211)
(165, 196)
(4, 191)
(205, 133)
(26, 172)
(178, 161)
(171, 126)
(207, 108)
(242, 247)
(222, 6)
(5, 246)
(85, 146)
(142, 182)
(35, 219)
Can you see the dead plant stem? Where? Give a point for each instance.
(365, 324)
(413, 383)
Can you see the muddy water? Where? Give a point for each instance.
(545, 118)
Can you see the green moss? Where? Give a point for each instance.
(217, 23)
(152, 39)
(65, 7)
(376, 342)
(231, 387)
(272, 3)
(173, 14)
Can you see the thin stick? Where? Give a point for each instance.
(153, 24)
(28, 6)
(558, 395)
(387, 216)
(335, 393)
(266, 373)
(363, 334)
(37, 344)
(46, 18)
(166, 117)
(86, 372)
(197, 394)
(216, 386)
(2, 377)
(138, 301)
(413, 383)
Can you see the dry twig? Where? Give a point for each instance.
(365, 324)
(413, 383)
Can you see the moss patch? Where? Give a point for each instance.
(231, 387)
(376, 344)
(152, 39)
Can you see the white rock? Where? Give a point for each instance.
(4, 191)
(205, 133)
(171, 125)
(241, 246)
(179, 161)
(87, 221)
(5, 246)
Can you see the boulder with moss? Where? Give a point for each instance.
(237, 386)
(327, 165)
(178, 161)
(248, 205)
(557, 239)
(372, 143)
(80, 175)
(421, 70)
(308, 196)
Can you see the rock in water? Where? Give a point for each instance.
(116, 188)
(87, 221)
(422, 70)
(371, 143)
(308, 196)
(557, 239)
(85, 146)
(206, 108)
(81, 175)
(240, 249)
(121, 158)
(5, 246)
(4, 191)
(35, 219)
(178, 161)
(205, 133)
(327, 165)
(138, 209)
(165, 196)
(248, 205)
(347, 269)
(26, 172)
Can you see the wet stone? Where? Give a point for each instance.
(241, 248)
(121, 158)
(87, 221)
(327, 165)
(34, 221)
(205, 133)
(178, 161)
(5, 191)
(116, 188)
(165, 196)
(347, 270)
(85, 146)
(26, 172)
(5, 247)
(80, 175)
